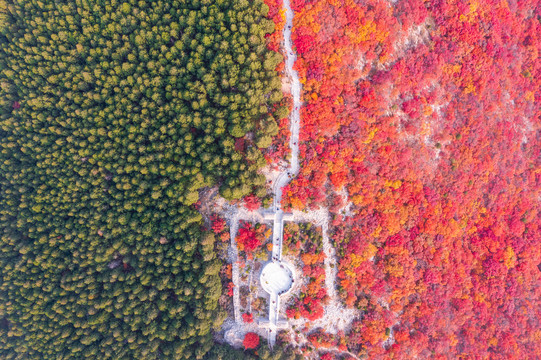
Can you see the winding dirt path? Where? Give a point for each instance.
(291, 57)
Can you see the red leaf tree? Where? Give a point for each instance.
(251, 341)
(247, 239)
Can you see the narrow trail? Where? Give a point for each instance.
(336, 317)
(320, 217)
(290, 57)
(233, 258)
(331, 268)
(234, 215)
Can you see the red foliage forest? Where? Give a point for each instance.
(427, 113)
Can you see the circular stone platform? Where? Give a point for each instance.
(276, 278)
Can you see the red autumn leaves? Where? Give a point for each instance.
(426, 116)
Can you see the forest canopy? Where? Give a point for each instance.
(112, 116)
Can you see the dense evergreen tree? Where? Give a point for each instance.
(113, 114)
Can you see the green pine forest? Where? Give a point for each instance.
(113, 114)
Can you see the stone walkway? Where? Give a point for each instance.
(285, 177)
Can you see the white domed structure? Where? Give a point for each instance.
(276, 278)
